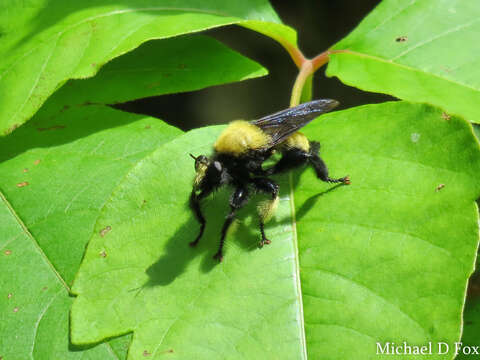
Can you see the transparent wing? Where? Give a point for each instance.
(284, 123)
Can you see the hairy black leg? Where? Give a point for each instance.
(238, 199)
(320, 167)
(195, 206)
(267, 208)
(290, 159)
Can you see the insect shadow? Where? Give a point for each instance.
(178, 255)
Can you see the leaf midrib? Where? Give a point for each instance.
(298, 283)
(34, 241)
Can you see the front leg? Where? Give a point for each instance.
(195, 206)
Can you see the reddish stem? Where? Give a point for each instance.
(307, 67)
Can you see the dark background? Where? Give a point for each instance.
(320, 24)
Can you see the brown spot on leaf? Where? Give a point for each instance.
(166, 75)
(94, 64)
(440, 187)
(401, 39)
(9, 296)
(11, 129)
(22, 184)
(446, 116)
(44, 288)
(36, 162)
(148, 126)
(105, 231)
(146, 353)
(182, 66)
(25, 170)
(103, 254)
(15, 309)
(8, 252)
(54, 127)
(65, 108)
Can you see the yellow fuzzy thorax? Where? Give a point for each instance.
(239, 137)
(297, 141)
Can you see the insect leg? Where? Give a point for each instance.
(290, 159)
(238, 199)
(266, 208)
(320, 167)
(195, 206)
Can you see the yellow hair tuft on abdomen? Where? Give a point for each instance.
(297, 141)
(239, 137)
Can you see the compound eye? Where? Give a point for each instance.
(218, 166)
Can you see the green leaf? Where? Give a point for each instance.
(57, 172)
(167, 66)
(59, 169)
(34, 299)
(385, 259)
(389, 257)
(425, 51)
(48, 42)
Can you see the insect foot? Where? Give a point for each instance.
(218, 256)
(193, 243)
(264, 242)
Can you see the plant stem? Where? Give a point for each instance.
(307, 69)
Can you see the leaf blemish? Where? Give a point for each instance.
(54, 127)
(439, 187)
(105, 230)
(401, 39)
(8, 252)
(9, 296)
(22, 184)
(446, 116)
(415, 137)
(146, 353)
(103, 254)
(15, 309)
(36, 162)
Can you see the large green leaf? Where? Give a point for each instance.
(46, 42)
(59, 169)
(426, 51)
(159, 67)
(34, 299)
(385, 259)
(57, 172)
(388, 258)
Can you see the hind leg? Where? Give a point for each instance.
(295, 157)
(266, 208)
(320, 167)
